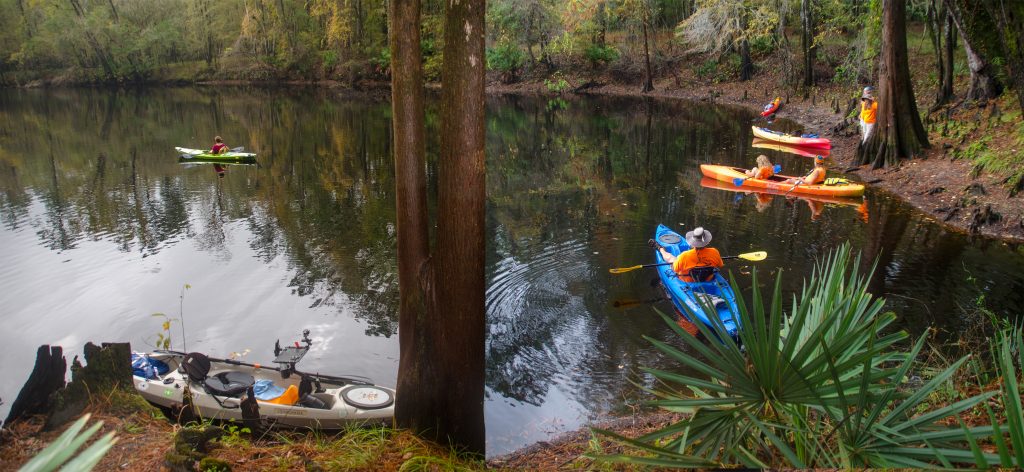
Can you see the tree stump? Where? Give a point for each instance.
(46, 378)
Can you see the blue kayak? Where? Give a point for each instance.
(684, 295)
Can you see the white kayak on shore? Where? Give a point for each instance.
(285, 396)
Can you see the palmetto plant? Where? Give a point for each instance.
(62, 450)
(821, 386)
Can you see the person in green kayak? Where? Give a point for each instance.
(218, 146)
(699, 256)
(816, 176)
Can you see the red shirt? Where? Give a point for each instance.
(218, 148)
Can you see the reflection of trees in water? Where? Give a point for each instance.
(560, 183)
(322, 200)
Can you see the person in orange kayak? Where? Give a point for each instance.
(868, 112)
(816, 176)
(218, 146)
(764, 168)
(699, 256)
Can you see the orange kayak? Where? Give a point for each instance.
(772, 107)
(798, 150)
(817, 143)
(708, 182)
(777, 183)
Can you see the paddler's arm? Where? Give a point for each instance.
(667, 255)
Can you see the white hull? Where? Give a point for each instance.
(167, 391)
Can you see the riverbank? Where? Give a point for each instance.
(945, 183)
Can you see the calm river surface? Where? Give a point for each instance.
(101, 227)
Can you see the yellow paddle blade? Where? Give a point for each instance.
(754, 256)
(624, 269)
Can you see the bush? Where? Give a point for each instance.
(598, 55)
(505, 58)
(557, 83)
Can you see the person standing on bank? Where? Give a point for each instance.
(868, 113)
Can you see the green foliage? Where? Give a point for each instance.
(163, 337)
(233, 435)
(599, 55)
(62, 450)
(557, 83)
(821, 387)
(505, 57)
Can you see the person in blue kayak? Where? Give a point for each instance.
(218, 146)
(816, 176)
(698, 256)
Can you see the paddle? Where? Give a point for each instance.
(738, 181)
(749, 256)
(798, 182)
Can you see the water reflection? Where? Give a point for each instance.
(101, 226)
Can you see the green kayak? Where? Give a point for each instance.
(203, 155)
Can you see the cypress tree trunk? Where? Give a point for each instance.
(441, 320)
(976, 33)
(1009, 19)
(807, 41)
(648, 80)
(746, 67)
(898, 131)
(949, 32)
(459, 270)
(416, 366)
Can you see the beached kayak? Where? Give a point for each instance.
(777, 183)
(792, 149)
(783, 138)
(284, 396)
(690, 297)
(204, 154)
(772, 107)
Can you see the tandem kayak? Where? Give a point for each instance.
(690, 298)
(792, 149)
(207, 156)
(777, 183)
(783, 138)
(284, 396)
(772, 107)
(708, 182)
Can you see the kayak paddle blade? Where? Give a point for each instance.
(754, 256)
(622, 270)
(738, 181)
(777, 168)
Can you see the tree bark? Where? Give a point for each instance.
(648, 80)
(807, 41)
(1009, 19)
(898, 130)
(949, 32)
(974, 25)
(459, 270)
(416, 365)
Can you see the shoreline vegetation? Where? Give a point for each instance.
(917, 403)
(969, 179)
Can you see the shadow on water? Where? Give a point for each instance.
(100, 227)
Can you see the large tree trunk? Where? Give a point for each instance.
(898, 131)
(975, 28)
(807, 41)
(648, 80)
(1009, 19)
(415, 406)
(459, 259)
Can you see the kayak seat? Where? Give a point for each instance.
(228, 384)
(703, 274)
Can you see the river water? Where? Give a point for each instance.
(101, 228)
